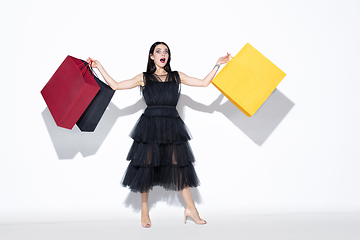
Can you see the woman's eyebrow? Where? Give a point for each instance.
(161, 49)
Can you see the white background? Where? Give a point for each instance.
(306, 161)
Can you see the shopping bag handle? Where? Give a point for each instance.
(86, 66)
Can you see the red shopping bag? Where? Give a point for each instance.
(69, 92)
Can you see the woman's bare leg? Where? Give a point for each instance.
(145, 218)
(186, 194)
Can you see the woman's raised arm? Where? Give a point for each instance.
(126, 84)
(195, 82)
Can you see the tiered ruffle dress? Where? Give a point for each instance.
(160, 154)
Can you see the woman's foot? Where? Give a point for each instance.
(145, 219)
(146, 224)
(194, 215)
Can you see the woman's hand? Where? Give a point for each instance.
(224, 59)
(94, 63)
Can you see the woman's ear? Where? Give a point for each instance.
(151, 57)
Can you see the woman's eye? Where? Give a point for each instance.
(158, 51)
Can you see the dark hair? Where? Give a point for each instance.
(151, 65)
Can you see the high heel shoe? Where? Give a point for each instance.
(187, 213)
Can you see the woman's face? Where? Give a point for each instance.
(160, 55)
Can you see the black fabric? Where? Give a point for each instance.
(93, 113)
(160, 154)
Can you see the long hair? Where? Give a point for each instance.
(151, 68)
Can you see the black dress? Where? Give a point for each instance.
(160, 154)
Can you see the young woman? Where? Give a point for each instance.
(160, 154)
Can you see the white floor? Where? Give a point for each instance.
(344, 226)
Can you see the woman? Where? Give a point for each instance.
(160, 154)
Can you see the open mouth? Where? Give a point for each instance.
(162, 60)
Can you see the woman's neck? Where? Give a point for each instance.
(160, 71)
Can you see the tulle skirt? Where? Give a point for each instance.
(160, 154)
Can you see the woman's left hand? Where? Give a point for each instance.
(94, 63)
(224, 59)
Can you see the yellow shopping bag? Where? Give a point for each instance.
(248, 79)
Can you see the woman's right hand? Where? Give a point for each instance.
(94, 63)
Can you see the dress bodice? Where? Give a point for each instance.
(158, 92)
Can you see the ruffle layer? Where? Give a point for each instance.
(140, 179)
(154, 155)
(160, 129)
